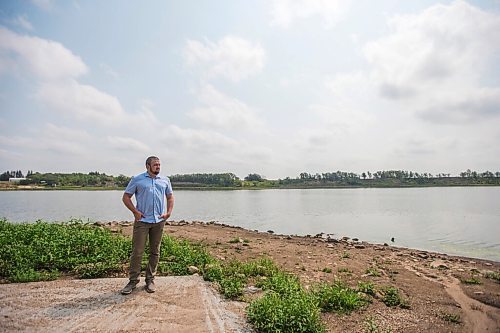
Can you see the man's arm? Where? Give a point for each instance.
(170, 206)
(127, 200)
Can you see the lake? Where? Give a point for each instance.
(454, 220)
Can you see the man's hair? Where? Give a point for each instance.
(151, 159)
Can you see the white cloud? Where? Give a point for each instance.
(437, 59)
(285, 12)
(46, 5)
(80, 101)
(51, 138)
(224, 112)
(231, 57)
(205, 141)
(127, 144)
(23, 22)
(48, 60)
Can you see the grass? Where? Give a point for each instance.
(470, 280)
(493, 275)
(44, 251)
(372, 271)
(392, 297)
(451, 317)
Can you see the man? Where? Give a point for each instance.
(150, 190)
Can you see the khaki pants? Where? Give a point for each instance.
(141, 232)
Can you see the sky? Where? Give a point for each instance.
(274, 87)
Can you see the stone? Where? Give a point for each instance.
(193, 269)
(439, 264)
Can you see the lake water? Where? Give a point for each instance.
(453, 220)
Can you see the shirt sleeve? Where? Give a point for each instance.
(168, 190)
(132, 186)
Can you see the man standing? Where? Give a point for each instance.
(150, 190)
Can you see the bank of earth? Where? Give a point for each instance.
(444, 293)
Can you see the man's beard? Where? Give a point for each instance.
(156, 172)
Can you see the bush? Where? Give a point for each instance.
(297, 312)
(39, 251)
(392, 297)
(338, 297)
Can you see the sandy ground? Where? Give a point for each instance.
(430, 282)
(181, 304)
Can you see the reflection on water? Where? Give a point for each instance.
(460, 220)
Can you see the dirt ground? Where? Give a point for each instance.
(182, 304)
(430, 282)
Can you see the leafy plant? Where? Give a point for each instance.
(392, 297)
(372, 271)
(366, 288)
(451, 317)
(297, 312)
(493, 275)
(471, 280)
(41, 250)
(338, 297)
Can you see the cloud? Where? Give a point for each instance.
(223, 112)
(127, 144)
(285, 12)
(56, 70)
(437, 60)
(80, 101)
(46, 5)
(46, 59)
(51, 138)
(477, 104)
(231, 57)
(23, 22)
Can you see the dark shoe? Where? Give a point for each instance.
(129, 287)
(150, 286)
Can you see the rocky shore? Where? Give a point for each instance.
(443, 293)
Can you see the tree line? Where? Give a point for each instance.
(338, 178)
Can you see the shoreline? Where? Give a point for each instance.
(430, 281)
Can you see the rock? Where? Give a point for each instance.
(423, 255)
(270, 231)
(359, 246)
(252, 289)
(488, 264)
(330, 245)
(439, 264)
(355, 239)
(478, 293)
(193, 269)
(385, 244)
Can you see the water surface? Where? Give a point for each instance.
(454, 220)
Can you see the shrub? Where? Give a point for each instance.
(392, 297)
(297, 312)
(338, 297)
(39, 251)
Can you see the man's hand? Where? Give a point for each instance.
(165, 216)
(137, 215)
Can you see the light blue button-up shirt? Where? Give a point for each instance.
(150, 194)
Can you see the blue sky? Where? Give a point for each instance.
(273, 87)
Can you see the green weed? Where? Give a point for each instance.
(338, 297)
(392, 297)
(493, 275)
